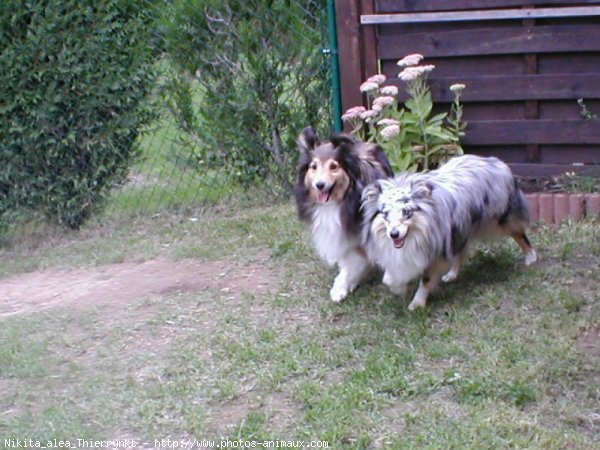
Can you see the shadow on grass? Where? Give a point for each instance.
(484, 269)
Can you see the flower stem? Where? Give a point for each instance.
(425, 145)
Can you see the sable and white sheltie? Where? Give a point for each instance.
(331, 178)
(421, 224)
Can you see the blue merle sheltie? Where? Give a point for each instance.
(331, 178)
(420, 225)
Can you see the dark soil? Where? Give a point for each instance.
(587, 180)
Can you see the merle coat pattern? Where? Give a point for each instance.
(420, 225)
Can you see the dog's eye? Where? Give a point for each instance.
(313, 166)
(333, 166)
(407, 212)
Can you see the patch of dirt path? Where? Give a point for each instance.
(124, 283)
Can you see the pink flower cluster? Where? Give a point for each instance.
(387, 121)
(389, 90)
(379, 79)
(410, 60)
(368, 115)
(411, 70)
(390, 131)
(372, 87)
(368, 86)
(372, 83)
(380, 102)
(353, 113)
(412, 73)
(386, 95)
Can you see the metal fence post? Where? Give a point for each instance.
(335, 68)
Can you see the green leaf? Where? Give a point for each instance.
(444, 136)
(438, 117)
(411, 105)
(427, 104)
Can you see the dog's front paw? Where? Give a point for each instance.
(417, 303)
(420, 298)
(531, 257)
(450, 276)
(338, 293)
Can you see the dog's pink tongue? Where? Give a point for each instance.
(398, 243)
(323, 197)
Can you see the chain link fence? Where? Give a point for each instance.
(136, 107)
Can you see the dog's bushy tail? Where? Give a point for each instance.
(518, 208)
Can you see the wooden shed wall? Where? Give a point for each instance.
(523, 75)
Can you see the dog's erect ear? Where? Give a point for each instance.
(344, 142)
(421, 189)
(383, 161)
(371, 192)
(308, 140)
(345, 148)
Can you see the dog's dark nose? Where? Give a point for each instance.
(320, 185)
(394, 234)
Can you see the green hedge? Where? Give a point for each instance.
(74, 78)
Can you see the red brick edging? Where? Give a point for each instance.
(554, 208)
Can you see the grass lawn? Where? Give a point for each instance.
(243, 343)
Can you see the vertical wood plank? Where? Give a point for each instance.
(349, 48)
(531, 106)
(369, 41)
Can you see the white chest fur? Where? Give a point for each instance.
(329, 237)
(403, 264)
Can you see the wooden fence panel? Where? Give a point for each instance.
(524, 74)
(515, 87)
(395, 6)
(493, 41)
